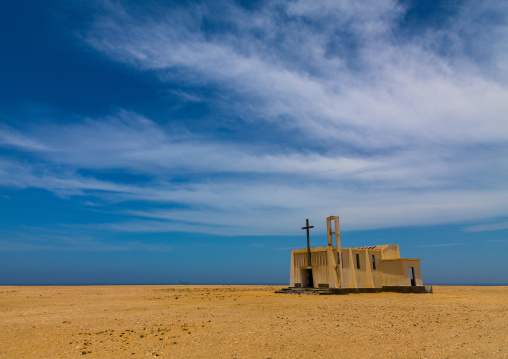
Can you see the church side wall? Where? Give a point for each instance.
(377, 274)
(292, 270)
(393, 273)
(418, 274)
(397, 272)
(346, 272)
(406, 264)
(359, 276)
(363, 277)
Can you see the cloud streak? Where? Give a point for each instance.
(441, 245)
(403, 93)
(366, 121)
(226, 186)
(487, 227)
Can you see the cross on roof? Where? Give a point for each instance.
(308, 242)
(307, 227)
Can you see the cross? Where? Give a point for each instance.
(308, 241)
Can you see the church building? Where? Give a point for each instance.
(363, 269)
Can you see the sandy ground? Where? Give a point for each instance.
(250, 322)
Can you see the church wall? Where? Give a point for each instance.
(362, 279)
(418, 270)
(406, 264)
(397, 272)
(292, 271)
(377, 274)
(320, 271)
(390, 251)
(393, 273)
(300, 260)
(346, 271)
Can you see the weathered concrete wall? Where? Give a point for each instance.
(392, 273)
(377, 273)
(389, 251)
(375, 270)
(299, 260)
(348, 274)
(320, 268)
(397, 272)
(359, 261)
(406, 264)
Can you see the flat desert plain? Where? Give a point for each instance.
(250, 322)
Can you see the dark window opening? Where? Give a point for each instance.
(307, 278)
(412, 274)
(358, 261)
(373, 262)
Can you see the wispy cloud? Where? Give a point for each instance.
(225, 185)
(367, 122)
(12, 138)
(39, 239)
(403, 93)
(487, 227)
(440, 245)
(132, 142)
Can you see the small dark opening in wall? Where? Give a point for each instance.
(373, 262)
(311, 279)
(358, 261)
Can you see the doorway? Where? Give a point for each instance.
(307, 279)
(412, 274)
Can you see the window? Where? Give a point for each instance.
(358, 261)
(373, 262)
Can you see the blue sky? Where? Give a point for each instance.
(188, 141)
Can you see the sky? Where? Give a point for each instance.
(163, 142)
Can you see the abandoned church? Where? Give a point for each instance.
(353, 270)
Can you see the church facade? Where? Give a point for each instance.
(362, 269)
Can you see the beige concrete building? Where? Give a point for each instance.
(362, 269)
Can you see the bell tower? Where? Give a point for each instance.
(331, 230)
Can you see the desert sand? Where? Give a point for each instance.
(250, 322)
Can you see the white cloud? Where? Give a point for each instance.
(12, 138)
(440, 245)
(426, 134)
(132, 142)
(404, 92)
(232, 189)
(40, 242)
(486, 227)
